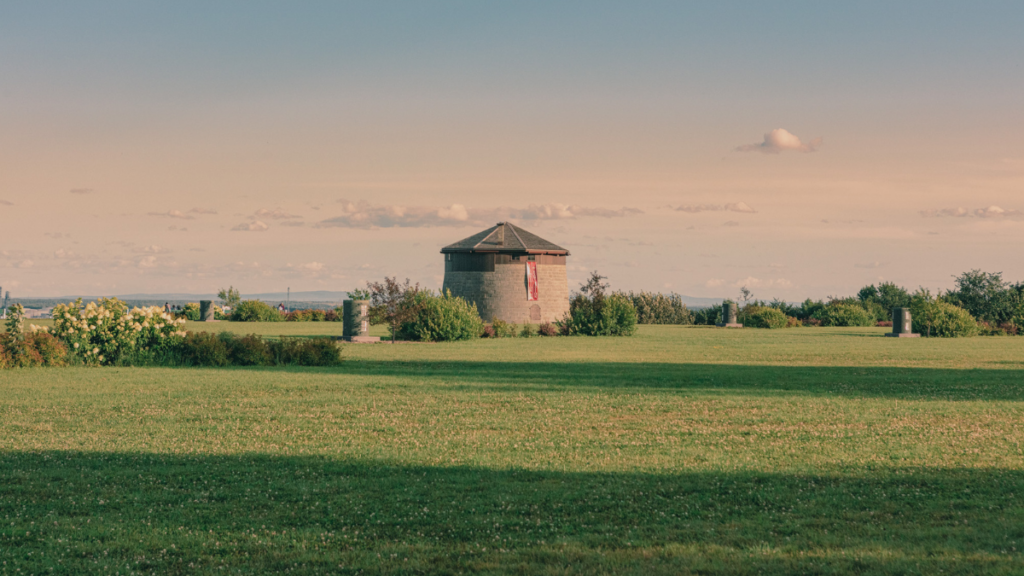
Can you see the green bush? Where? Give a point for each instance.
(444, 318)
(709, 316)
(248, 350)
(610, 316)
(305, 352)
(932, 317)
(844, 315)
(255, 311)
(877, 312)
(199, 349)
(764, 317)
(503, 329)
(527, 331)
(32, 349)
(226, 349)
(654, 308)
(190, 311)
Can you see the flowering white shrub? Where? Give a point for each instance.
(105, 332)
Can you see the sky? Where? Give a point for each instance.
(800, 149)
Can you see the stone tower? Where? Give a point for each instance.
(510, 274)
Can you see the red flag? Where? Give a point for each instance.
(532, 291)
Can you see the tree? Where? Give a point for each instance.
(358, 294)
(230, 297)
(746, 295)
(592, 312)
(892, 296)
(985, 295)
(392, 303)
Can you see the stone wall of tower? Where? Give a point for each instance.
(502, 293)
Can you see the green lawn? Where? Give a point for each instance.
(681, 450)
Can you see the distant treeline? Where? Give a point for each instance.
(980, 303)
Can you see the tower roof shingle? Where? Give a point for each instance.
(505, 237)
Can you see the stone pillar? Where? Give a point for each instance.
(902, 326)
(206, 310)
(729, 311)
(356, 321)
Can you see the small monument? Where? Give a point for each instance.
(206, 311)
(901, 324)
(729, 312)
(356, 321)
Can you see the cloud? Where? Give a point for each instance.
(275, 214)
(781, 140)
(57, 235)
(365, 215)
(62, 254)
(990, 212)
(714, 283)
(25, 264)
(751, 282)
(740, 207)
(151, 249)
(731, 223)
(148, 262)
(81, 191)
(869, 265)
(202, 211)
(256, 226)
(173, 214)
(6, 203)
(292, 223)
(315, 266)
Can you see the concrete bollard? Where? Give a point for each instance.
(902, 326)
(206, 310)
(356, 321)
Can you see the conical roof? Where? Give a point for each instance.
(505, 237)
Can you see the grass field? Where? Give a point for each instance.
(681, 450)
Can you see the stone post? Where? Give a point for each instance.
(901, 324)
(729, 312)
(206, 310)
(356, 321)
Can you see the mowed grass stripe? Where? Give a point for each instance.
(672, 452)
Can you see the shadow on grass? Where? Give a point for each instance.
(853, 381)
(107, 512)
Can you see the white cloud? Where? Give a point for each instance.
(62, 254)
(961, 212)
(275, 214)
(714, 283)
(151, 249)
(148, 262)
(455, 212)
(315, 266)
(364, 215)
(25, 264)
(751, 282)
(781, 140)
(202, 211)
(256, 226)
(869, 265)
(173, 214)
(740, 207)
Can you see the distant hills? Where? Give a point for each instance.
(323, 297)
(310, 296)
